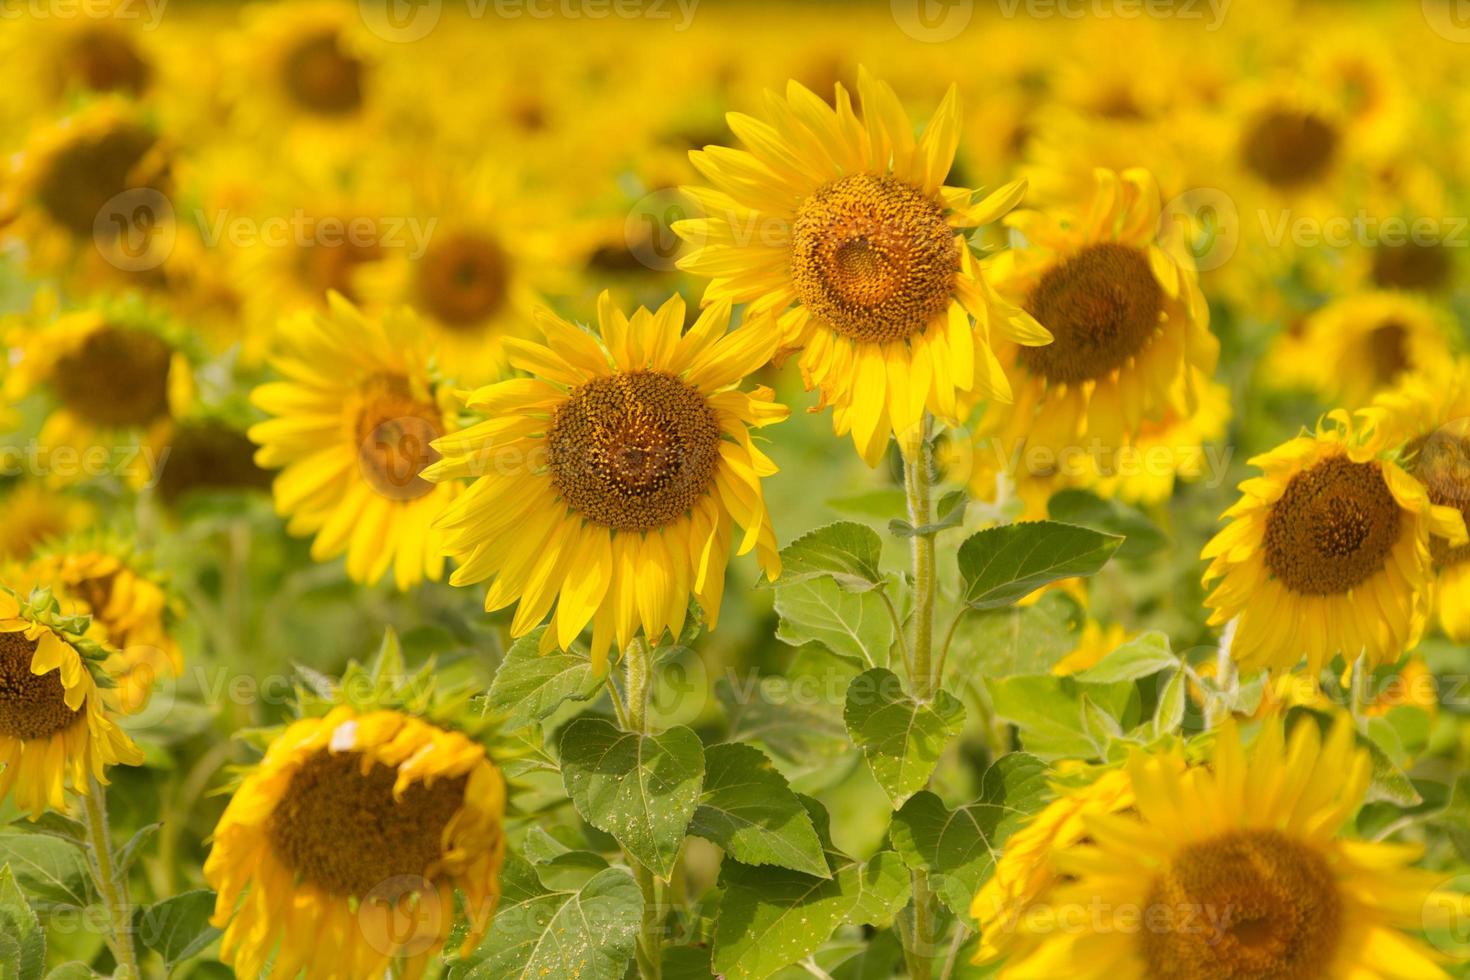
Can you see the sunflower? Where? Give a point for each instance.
(1024, 875)
(351, 431)
(1359, 345)
(1427, 419)
(843, 227)
(352, 835)
(609, 482)
(55, 730)
(116, 374)
(31, 515)
(129, 606)
(1327, 552)
(1238, 868)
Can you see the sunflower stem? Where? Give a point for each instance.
(638, 667)
(114, 887)
(918, 491)
(1227, 681)
(637, 664)
(1359, 690)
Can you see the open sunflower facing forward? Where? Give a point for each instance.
(55, 731)
(1326, 553)
(841, 224)
(342, 851)
(351, 433)
(1239, 868)
(608, 484)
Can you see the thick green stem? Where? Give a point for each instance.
(918, 489)
(636, 664)
(638, 673)
(113, 887)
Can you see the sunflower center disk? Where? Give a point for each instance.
(1102, 306)
(327, 263)
(117, 377)
(1250, 906)
(1333, 528)
(1388, 346)
(31, 706)
(873, 258)
(322, 78)
(1288, 149)
(464, 279)
(634, 451)
(1441, 461)
(343, 831)
(1411, 265)
(105, 60)
(84, 176)
(394, 432)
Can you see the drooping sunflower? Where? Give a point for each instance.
(1326, 553)
(841, 225)
(117, 374)
(352, 835)
(1131, 327)
(1359, 345)
(1238, 868)
(1427, 420)
(128, 605)
(351, 432)
(609, 482)
(55, 730)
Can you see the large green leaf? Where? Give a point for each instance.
(539, 933)
(853, 625)
(1028, 639)
(1049, 711)
(22, 941)
(177, 928)
(529, 686)
(846, 552)
(1142, 656)
(49, 869)
(958, 847)
(748, 809)
(1141, 536)
(1001, 565)
(902, 738)
(642, 789)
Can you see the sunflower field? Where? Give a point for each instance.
(676, 489)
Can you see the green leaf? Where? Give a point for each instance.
(48, 869)
(951, 514)
(177, 928)
(528, 686)
(958, 847)
(883, 887)
(1048, 711)
(642, 789)
(1002, 565)
(72, 971)
(53, 824)
(853, 625)
(796, 715)
(22, 941)
(846, 552)
(749, 810)
(1028, 639)
(902, 738)
(128, 853)
(1169, 712)
(1141, 536)
(538, 933)
(1142, 656)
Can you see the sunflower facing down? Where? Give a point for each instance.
(1237, 869)
(55, 731)
(127, 604)
(608, 484)
(1326, 553)
(1427, 419)
(843, 227)
(351, 434)
(343, 849)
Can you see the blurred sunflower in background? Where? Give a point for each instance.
(838, 221)
(608, 483)
(352, 427)
(56, 733)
